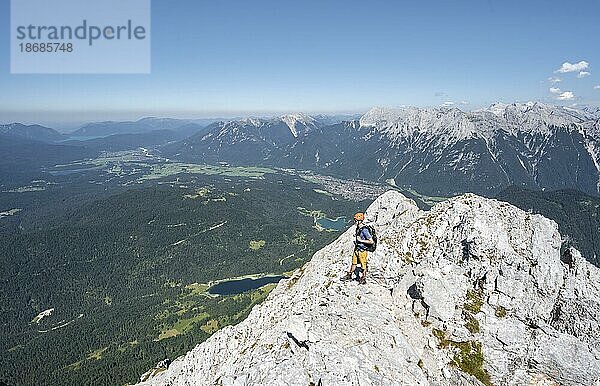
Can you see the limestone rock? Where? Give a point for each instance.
(474, 291)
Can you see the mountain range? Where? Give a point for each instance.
(434, 150)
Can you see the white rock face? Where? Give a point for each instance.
(471, 279)
(299, 123)
(445, 125)
(450, 125)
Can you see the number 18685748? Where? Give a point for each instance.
(46, 47)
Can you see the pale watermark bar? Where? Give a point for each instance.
(80, 36)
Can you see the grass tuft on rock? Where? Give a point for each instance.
(441, 336)
(500, 312)
(474, 300)
(471, 323)
(468, 356)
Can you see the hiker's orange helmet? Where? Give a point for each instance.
(359, 217)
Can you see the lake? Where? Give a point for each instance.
(237, 286)
(337, 225)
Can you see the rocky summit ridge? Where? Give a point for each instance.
(474, 291)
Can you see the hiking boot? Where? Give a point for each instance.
(346, 277)
(362, 281)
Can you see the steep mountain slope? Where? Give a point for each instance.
(438, 151)
(473, 292)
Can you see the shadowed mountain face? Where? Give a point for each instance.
(436, 151)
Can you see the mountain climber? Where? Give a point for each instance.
(362, 242)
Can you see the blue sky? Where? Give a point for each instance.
(230, 58)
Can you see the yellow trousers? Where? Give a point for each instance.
(360, 257)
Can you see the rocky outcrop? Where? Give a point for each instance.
(153, 372)
(474, 291)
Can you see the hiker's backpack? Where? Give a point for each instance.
(370, 247)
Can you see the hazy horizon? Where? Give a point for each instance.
(50, 119)
(328, 57)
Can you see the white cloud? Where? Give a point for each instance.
(597, 87)
(448, 104)
(566, 96)
(464, 102)
(553, 79)
(573, 67)
(554, 90)
(583, 74)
